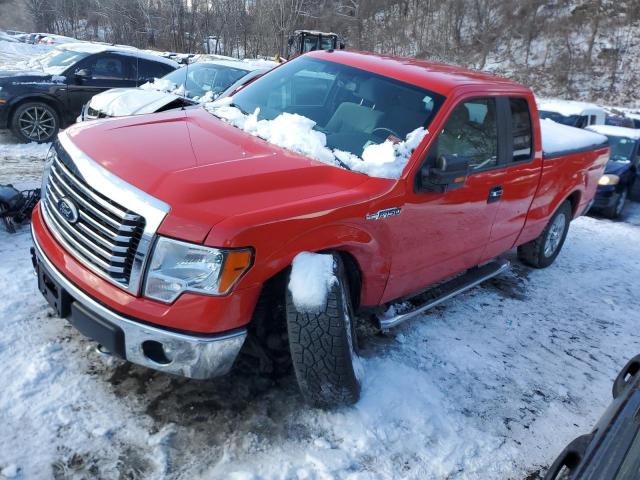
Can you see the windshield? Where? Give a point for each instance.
(621, 148)
(59, 60)
(353, 108)
(199, 79)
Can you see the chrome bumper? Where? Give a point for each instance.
(185, 355)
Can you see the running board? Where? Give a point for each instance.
(450, 289)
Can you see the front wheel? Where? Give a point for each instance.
(35, 122)
(542, 251)
(324, 347)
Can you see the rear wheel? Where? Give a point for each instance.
(324, 347)
(35, 122)
(617, 208)
(542, 251)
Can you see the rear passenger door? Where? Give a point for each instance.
(518, 175)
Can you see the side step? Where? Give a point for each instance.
(450, 289)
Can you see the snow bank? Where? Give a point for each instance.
(557, 138)
(311, 279)
(295, 132)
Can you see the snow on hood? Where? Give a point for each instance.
(119, 102)
(558, 138)
(295, 132)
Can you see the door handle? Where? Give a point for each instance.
(495, 194)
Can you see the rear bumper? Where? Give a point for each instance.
(190, 356)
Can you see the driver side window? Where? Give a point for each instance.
(106, 67)
(472, 132)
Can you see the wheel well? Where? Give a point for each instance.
(574, 200)
(47, 101)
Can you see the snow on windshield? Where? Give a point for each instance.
(557, 138)
(296, 133)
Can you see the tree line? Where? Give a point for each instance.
(559, 46)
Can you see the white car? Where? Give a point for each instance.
(572, 113)
(189, 85)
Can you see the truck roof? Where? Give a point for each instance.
(438, 77)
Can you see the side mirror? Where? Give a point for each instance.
(448, 173)
(341, 46)
(82, 74)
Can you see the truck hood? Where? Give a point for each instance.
(617, 167)
(119, 102)
(205, 169)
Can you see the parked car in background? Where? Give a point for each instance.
(49, 94)
(52, 39)
(612, 450)
(572, 113)
(337, 182)
(620, 179)
(5, 37)
(189, 85)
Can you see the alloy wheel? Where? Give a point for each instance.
(37, 123)
(555, 235)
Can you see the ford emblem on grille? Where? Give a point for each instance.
(68, 210)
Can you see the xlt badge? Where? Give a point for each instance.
(380, 214)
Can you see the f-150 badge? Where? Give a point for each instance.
(381, 214)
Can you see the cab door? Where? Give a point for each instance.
(518, 175)
(436, 234)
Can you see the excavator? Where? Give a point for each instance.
(303, 41)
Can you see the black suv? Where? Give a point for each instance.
(49, 94)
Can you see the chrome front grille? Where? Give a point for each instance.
(105, 235)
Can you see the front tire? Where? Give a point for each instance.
(324, 348)
(542, 251)
(35, 122)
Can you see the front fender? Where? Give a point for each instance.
(366, 249)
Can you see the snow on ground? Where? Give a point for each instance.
(492, 384)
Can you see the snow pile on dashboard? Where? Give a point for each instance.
(558, 138)
(295, 132)
(311, 280)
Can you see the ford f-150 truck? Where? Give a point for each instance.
(173, 239)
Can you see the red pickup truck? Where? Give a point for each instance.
(177, 239)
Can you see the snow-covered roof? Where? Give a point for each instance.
(92, 48)
(611, 130)
(567, 107)
(558, 138)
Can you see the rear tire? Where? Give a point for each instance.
(35, 122)
(323, 346)
(542, 251)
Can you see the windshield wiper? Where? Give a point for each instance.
(235, 105)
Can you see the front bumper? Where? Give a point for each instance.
(4, 115)
(190, 356)
(606, 197)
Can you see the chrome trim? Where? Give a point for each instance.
(191, 356)
(388, 323)
(98, 178)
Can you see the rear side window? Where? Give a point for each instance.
(472, 132)
(521, 128)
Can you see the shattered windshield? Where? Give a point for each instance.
(347, 110)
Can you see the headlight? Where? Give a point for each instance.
(178, 267)
(609, 180)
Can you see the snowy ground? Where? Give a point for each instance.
(492, 384)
